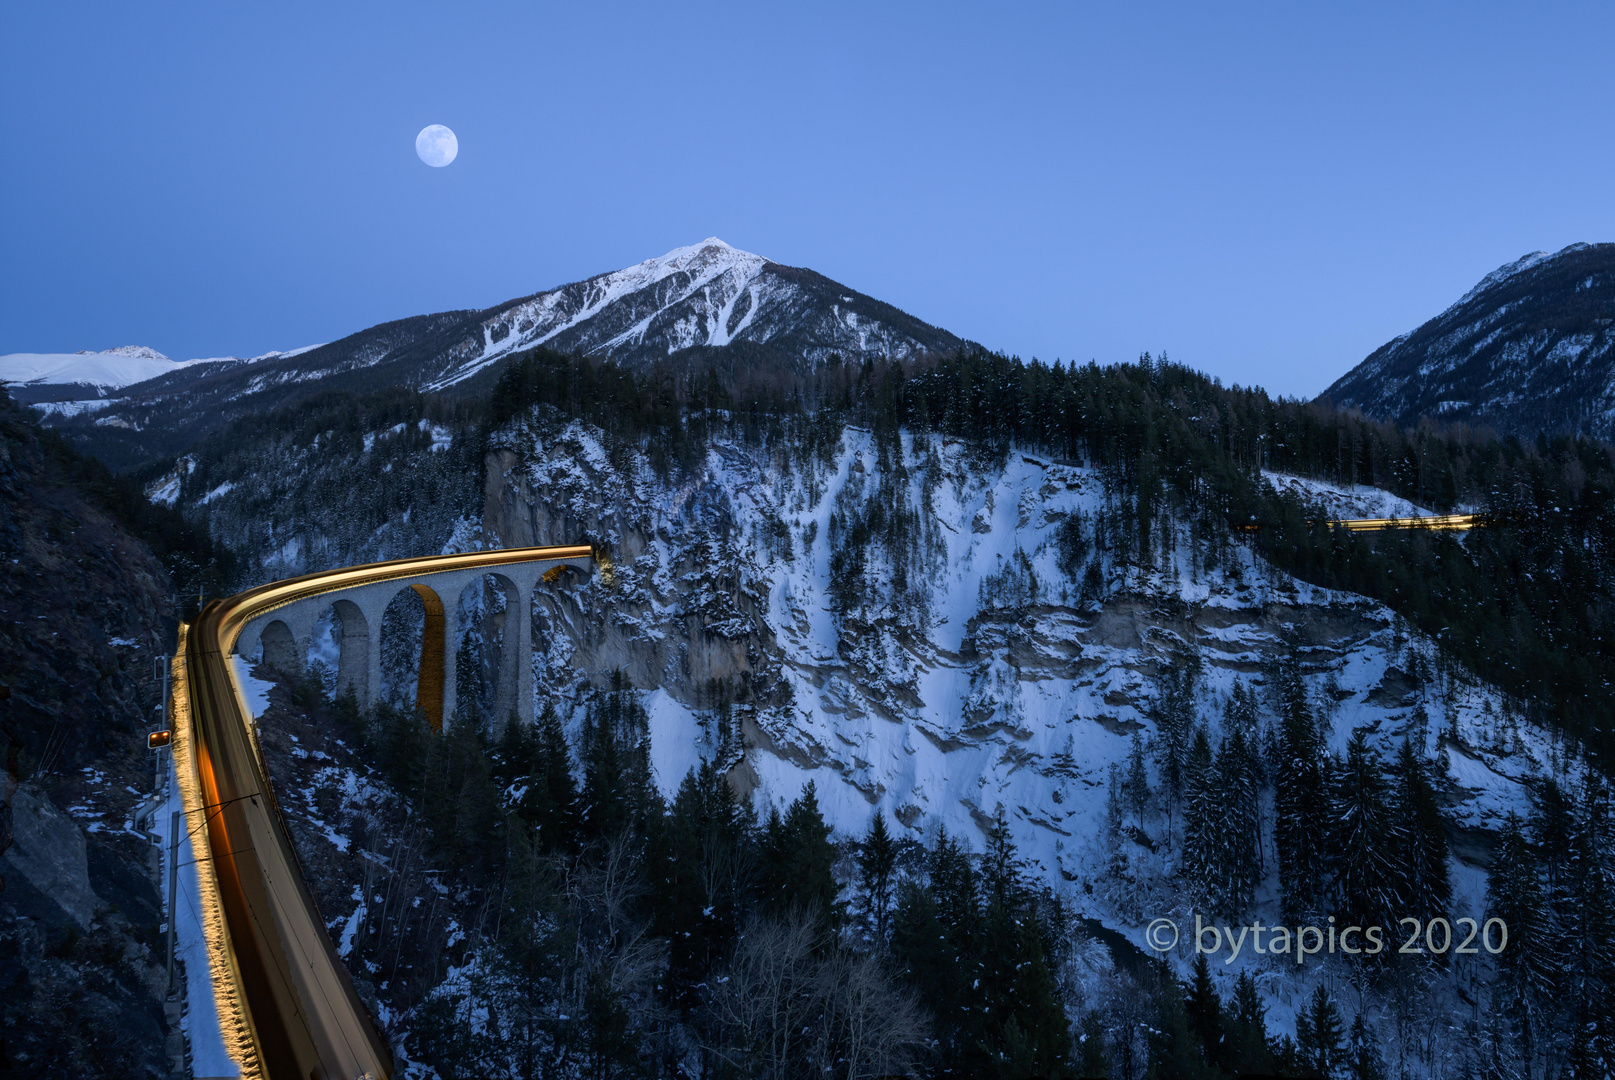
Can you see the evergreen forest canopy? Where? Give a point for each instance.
(1526, 601)
(628, 933)
(660, 924)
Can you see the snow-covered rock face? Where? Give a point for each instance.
(1530, 348)
(968, 675)
(925, 631)
(1337, 502)
(905, 627)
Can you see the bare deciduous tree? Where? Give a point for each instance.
(785, 1010)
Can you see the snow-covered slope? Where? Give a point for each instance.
(707, 278)
(1338, 502)
(925, 634)
(1530, 348)
(707, 294)
(708, 303)
(64, 383)
(108, 370)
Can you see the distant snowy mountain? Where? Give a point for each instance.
(68, 383)
(84, 374)
(707, 303)
(1530, 348)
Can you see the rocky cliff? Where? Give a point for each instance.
(84, 609)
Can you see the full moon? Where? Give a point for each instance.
(436, 145)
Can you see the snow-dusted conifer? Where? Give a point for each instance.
(1366, 875)
(1138, 781)
(1420, 834)
(1300, 799)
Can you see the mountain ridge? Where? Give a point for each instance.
(1530, 348)
(692, 302)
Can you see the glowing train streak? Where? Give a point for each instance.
(286, 1005)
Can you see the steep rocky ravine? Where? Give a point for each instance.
(926, 632)
(84, 609)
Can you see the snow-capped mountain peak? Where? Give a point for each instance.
(705, 295)
(691, 300)
(135, 352)
(109, 370)
(711, 267)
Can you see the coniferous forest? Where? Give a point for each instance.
(634, 934)
(1528, 599)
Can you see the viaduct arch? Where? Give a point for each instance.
(284, 633)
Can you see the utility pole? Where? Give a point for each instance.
(175, 822)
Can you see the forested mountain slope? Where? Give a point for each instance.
(1059, 611)
(1529, 349)
(692, 302)
(86, 604)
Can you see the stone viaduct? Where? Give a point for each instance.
(285, 633)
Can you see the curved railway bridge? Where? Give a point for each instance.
(285, 1003)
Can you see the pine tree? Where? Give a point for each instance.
(937, 945)
(1363, 1060)
(1138, 781)
(619, 795)
(1514, 895)
(1588, 979)
(704, 875)
(1176, 1050)
(1361, 837)
(1244, 739)
(462, 802)
(514, 755)
(604, 810)
(403, 747)
(611, 1044)
(1420, 834)
(1205, 827)
(347, 713)
(1174, 722)
(551, 804)
(1419, 725)
(1301, 802)
(1240, 773)
(1026, 1027)
(1247, 1042)
(1093, 1062)
(1205, 1012)
(798, 862)
(1115, 804)
(877, 864)
(1552, 828)
(1319, 1034)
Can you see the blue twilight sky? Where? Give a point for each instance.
(1265, 191)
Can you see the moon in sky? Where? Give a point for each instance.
(437, 145)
